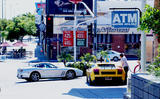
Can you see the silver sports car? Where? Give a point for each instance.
(47, 70)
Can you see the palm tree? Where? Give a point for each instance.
(88, 58)
(64, 57)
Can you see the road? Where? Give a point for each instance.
(11, 87)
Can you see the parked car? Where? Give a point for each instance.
(112, 55)
(47, 70)
(105, 72)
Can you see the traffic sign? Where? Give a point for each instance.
(75, 1)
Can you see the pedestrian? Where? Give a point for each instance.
(124, 65)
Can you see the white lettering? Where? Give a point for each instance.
(132, 18)
(116, 19)
(123, 17)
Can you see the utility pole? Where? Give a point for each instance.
(95, 29)
(74, 31)
(143, 42)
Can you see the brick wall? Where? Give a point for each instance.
(118, 42)
(144, 86)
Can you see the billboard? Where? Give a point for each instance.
(125, 19)
(65, 7)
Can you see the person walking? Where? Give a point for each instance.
(125, 66)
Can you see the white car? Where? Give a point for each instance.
(112, 55)
(47, 70)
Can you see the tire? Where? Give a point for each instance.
(87, 79)
(90, 82)
(115, 59)
(35, 76)
(28, 79)
(70, 74)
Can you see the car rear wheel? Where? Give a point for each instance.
(35, 76)
(70, 74)
(115, 59)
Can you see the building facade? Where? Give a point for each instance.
(124, 40)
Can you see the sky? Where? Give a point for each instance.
(15, 7)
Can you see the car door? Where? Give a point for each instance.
(53, 71)
(41, 68)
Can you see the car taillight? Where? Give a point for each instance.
(96, 71)
(120, 71)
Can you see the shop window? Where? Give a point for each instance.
(132, 38)
(108, 38)
(104, 38)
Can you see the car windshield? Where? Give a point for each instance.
(107, 66)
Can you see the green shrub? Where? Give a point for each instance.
(80, 65)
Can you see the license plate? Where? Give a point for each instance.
(108, 78)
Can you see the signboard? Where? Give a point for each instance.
(75, 1)
(125, 19)
(67, 38)
(66, 7)
(81, 37)
(40, 5)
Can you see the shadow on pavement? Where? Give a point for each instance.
(46, 80)
(97, 93)
(41, 80)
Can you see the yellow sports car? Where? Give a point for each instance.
(105, 72)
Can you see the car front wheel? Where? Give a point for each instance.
(35, 76)
(70, 75)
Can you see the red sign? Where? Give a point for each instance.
(81, 34)
(75, 1)
(81, 38)
(67, 38)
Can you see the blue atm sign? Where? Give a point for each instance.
(125, 19)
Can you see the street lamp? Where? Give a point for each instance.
(75, 21)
